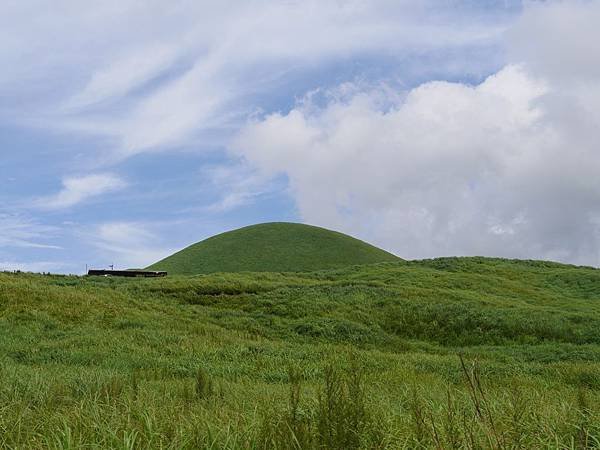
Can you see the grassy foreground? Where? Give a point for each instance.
(364, 357)
(273, 247)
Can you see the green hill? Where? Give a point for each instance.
(355, 358)
(273, 247)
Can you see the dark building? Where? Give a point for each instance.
(126, 273)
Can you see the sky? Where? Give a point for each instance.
(130, 129)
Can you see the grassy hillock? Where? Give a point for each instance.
(273, 247)
(446, 353)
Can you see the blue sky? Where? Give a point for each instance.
(430, 128)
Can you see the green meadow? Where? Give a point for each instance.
(451, 353)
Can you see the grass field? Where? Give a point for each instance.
(448, 353)
(273, 247)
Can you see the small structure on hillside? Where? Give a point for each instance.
(127, 273)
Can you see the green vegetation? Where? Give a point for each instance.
(273, 247)
(448, 353)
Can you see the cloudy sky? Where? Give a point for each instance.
(129, 129)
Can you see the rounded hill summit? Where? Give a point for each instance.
(273, 247)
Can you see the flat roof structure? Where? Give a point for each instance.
(126, 273)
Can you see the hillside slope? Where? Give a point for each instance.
(259, 360)
(273, 247)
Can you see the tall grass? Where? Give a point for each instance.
(339, 409)
(366, 357)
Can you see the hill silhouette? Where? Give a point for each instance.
(273, 247)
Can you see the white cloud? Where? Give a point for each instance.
(508, 167)
(16, 231)
(151, 76)
(237, 185)
(127, 244)
(78, 189)
(559, 40)
(123, 75)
